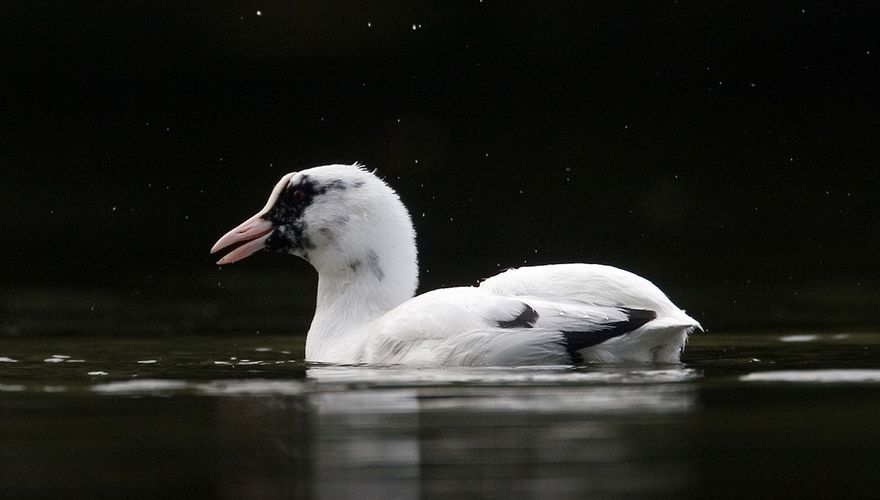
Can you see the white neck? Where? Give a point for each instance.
(359, 279)
(346, 302)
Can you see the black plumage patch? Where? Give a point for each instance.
(334, 184)
(575, 341)
(374, 265)
(525, 319)
(293, 201)
(287, 215)
(290, 238)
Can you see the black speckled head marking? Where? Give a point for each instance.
(575, 341)
(334, 184)
(292, 201)
(290, 238)
(374, 266)
(525, 319)
(287, 215)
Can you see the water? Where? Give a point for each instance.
(241, 416)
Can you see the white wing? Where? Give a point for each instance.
(661, 339)
(470, 326)
(589, 283)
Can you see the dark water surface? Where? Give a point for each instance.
(769, 414)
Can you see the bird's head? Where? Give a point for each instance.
(336, 217)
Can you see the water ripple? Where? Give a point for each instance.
(814, 376)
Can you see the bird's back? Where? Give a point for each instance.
(537, 315)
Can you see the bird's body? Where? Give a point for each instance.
(354, 230)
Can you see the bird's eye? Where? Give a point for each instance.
(299, 196)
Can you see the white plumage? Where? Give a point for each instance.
(354, 230)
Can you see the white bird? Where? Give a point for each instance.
(353, 228)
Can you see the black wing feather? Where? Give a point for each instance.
(575, 341)
(525, 319)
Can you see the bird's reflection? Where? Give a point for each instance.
(532, 432)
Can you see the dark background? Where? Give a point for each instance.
(727, 151)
